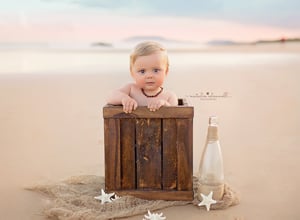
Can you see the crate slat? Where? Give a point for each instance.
(148, 151)
(112, 154)
(169, 181)
(185, 154)
(112, 111)
(128, 168)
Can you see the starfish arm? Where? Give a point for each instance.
(154, 216)
(104, 197)
(207, 200)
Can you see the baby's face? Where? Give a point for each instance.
(150, 71)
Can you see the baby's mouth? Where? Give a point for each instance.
(150, 83)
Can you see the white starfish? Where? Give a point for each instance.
(104, 197)
(207, 200)
(116, 197)
(154, 216)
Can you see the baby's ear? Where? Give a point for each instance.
(167, 70)
(131, 73)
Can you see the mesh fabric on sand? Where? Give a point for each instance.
(74, 199)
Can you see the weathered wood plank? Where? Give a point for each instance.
(148, 153)
(158, 194)
(111, 111)
(185, 154)
(112, 154)
(169, 171)
(127, 137)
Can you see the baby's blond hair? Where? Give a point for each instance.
(147, 48)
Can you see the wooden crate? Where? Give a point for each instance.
(149, 154)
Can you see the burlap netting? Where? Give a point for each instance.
(73, 199)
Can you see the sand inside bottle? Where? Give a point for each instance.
(211, 183)
(218, 191)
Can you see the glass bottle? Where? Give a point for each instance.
(211, 173)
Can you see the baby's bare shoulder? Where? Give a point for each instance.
(171, 97)
(127, 88)
(170, 93)
(128, 85)
(134, 89)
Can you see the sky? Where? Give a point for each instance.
(115, 20)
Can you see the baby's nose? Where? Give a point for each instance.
(149, 75)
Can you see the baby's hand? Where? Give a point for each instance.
(156, 104)
(129, 104)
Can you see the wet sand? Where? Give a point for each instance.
(52, 128)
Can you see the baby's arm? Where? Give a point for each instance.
(173, 99)
(121, 97)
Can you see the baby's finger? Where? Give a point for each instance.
(130, 107)
(135, 105)
(152, 108)
(124, 109)
(127, 107)
(158, 105)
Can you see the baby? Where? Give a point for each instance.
(149, 66)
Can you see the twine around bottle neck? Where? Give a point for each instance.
(212, 133)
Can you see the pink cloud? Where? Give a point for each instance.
(94, 27)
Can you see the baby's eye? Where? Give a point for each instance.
(156, 70)
(142, 71)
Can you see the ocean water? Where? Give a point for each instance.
(53, 61)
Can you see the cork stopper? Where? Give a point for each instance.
(212, 133)
(213, 120)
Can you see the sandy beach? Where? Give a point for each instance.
(51, 124)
